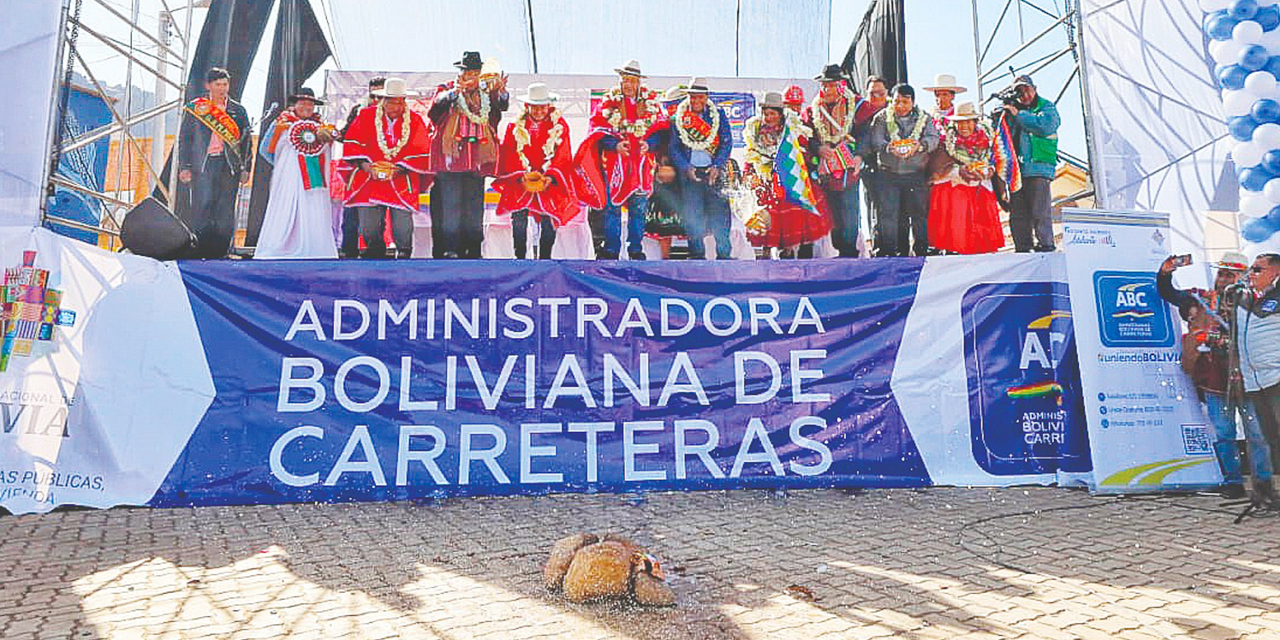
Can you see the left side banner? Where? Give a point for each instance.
(76, 322)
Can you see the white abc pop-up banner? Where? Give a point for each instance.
(1147, 431)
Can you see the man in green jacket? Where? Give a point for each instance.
(1034, 122)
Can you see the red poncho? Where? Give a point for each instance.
(622, 119)
(557, 201)
(361, 144)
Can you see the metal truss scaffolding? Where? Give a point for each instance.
(1048, 40)
(159, 57)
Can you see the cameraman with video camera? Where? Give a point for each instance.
(1033, 122)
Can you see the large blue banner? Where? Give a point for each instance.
(372, 381)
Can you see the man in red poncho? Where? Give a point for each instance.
(616, 162)
(535, 163)
(386, 151)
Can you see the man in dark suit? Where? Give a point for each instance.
(214, 156)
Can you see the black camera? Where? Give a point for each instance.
(1009, 95)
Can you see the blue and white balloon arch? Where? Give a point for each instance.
(1244, 40)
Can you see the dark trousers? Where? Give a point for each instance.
(212, 214)
(705, 210)
(520, 234)
(845, 219)
(904, 198)
(373, 221)
(351, 232)
(459, 215)
(1267, 404)
(1031, 210)
(637, 213)
(871, 182)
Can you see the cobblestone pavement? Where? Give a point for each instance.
(937, 563)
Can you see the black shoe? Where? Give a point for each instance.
(635, 255)
(449, 255)
(1262, 492)
(1232, 491)
(606, 255)
(1045, 249)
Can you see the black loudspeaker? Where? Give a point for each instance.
(151, 230)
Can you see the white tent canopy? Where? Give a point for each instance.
(743, 38)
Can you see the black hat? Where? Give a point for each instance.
(831, 73)
(306, 93)
(470, 61)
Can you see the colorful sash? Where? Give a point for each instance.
(206, 112)
(304, 135)
(693, 122)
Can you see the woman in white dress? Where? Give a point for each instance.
(298, 221)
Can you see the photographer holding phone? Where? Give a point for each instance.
(1206, 358)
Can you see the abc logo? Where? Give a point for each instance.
(1130, 313)
(1131, 298)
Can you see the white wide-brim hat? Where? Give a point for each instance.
(1233, 261)
(395, 88)
(946, 82)
(697, 84)
(965, 111)
(631, 68)
(538, 93)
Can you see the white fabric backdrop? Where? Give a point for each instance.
(671, 37)
(28, 57)
(1156, 112)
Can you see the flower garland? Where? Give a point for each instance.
(646, 102)
(891, 123)
(549, 147)
(822, 118)
(977, 151)
(761, 154)
(755, 143)
(481, 118)
(391, 152)
(711, 139)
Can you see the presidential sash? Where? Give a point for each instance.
(206, 112)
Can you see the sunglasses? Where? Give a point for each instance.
(1257, 269)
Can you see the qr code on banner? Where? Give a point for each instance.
(1196, 440)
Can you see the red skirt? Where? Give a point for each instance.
(790, 225)
(964, 219)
